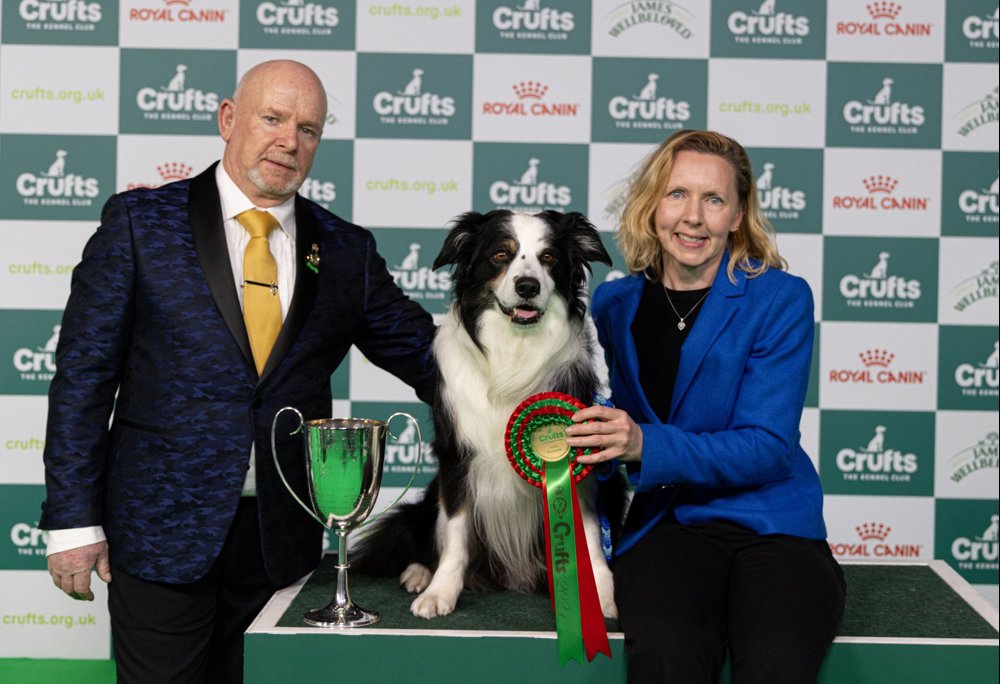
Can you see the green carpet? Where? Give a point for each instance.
(30, 671)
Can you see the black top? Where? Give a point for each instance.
(658, 341)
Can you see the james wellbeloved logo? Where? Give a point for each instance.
(56, 177)
(174, 91)
(639, 100)
(979, 113)
(667, 15)
(414, 96)
(300, 24)
(977, 288)
(409, 255)
(875, 367)
(983, 456)
(789, 188)
(873, 543)
(545, 26)
(167, 172)
(880, 280)
(63, 22)
(969, 373)
(528, 100)
(877, 453)
(883, 19)
(530, 177)
(178, 12)
(972, 31)
(967, 534)
(772, 28)
(884, 105)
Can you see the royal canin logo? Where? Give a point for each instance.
(876, 371)
(884, 22)
(873, 536)
(168, 172)
(180, 11)
(530, 96)
(881, 197)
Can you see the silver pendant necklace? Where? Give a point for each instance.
(681, 324)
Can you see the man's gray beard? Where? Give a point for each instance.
(270, 190)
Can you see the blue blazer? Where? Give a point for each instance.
(731, 443)
(153, 341)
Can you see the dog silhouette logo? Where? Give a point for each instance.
(413, 87)
(992, 360)
(992, 532)
(530, 176)
(53, 342)
(766, 8)
(884, 95)
(409, 263)
(764, 182)
(58, 167)
(877, 443)
(648, 91)
(881, 270)
(176, 83)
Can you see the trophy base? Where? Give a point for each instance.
(344, 617)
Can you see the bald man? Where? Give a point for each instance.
(158, 462)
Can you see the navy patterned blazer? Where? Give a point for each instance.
(153, 341)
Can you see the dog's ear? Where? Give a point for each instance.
(460, 239)
(582, 233)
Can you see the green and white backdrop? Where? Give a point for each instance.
(872, 127)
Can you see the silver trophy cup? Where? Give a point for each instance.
(343, 458)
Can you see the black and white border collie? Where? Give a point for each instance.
(517, 326)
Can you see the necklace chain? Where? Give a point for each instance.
(681, 324)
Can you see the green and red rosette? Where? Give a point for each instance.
(536, 446)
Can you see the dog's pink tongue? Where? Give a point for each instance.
(526, 314)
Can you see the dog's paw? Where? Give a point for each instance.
(606, 592)
(415, 578)
(431, 605)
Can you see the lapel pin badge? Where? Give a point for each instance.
(312, 259)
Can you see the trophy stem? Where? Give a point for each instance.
(342, 612)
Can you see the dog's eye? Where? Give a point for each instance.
(501, 255)
(547, 258)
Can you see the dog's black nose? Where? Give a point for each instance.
(527, 287)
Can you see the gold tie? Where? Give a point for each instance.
(261, 306)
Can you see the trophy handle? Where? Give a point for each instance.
(281, 474)
(416, 467)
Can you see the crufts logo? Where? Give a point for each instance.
(982, 31)
(660, 13)
(27, 539)
(873, 536)
(876, 461)
(412, 104)
(883, 21)
(531, 21)
(876, 371)
(297, 17)
(59, 14)
(176, 101)
(980, 551)
(878, 288)
(56, 187)
(767, 26)
(881, 197)
(401, 455)
(980, 112)
(981, 379)
(168, 172)
(531, 102)
(777, 201)
(648, 109)
(420, 283)
(977, 287)
(528, 193)
(981, 206)
(882, 113)
(981, 456)
(38, 363)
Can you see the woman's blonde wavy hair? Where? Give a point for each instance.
(754, 239)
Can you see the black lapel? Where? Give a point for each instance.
(205, 216)
(307, 235)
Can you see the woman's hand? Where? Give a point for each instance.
(611, 434)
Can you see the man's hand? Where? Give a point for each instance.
(70, 569)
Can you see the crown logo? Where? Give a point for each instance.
(173, 171)
(530, 90)
(884, 10)
(185, 3)
(884, 184)
(873, 530)
(876, 357)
